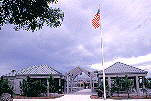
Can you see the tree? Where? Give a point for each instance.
(127, 84)
(54, 85)
(100, 89)
(5, 87)
(122, 84)
(116, 86)
(30, 14)
(147, 83)
(32, 88)
(51, 84)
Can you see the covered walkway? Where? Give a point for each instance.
(73, 83)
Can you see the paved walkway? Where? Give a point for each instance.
(82, 95)
(77, 96)
(83, 92)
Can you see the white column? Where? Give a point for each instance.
(99, 81)
(67, 84)
(109, 83)
(137, 84)
(77, 81)
(71, 79)
(17, 89)
(47, 87)
(143, 82)
(59, 81)
(91, 83)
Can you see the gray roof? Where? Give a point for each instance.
(121, 68)
(38, 70)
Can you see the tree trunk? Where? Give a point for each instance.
(146, 94)
(128, 95)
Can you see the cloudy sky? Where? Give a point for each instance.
(126, 26)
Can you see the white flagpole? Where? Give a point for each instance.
(102, 55)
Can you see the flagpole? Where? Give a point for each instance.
(102, 56)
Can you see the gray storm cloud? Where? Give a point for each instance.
(125, 26)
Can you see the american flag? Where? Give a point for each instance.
(96, 20)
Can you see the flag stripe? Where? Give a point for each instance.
(96, 20)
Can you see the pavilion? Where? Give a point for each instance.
(70, 82)
(41, 72)
(121, 70)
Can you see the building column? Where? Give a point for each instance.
(77, 82)
(143, 82)
(67, 84)
(109, 83)
(137, 84)
(60, 88)
(17, 89)
(99, 81)
(71, 84)
(59, 81)
(47, 87)
(91, 83)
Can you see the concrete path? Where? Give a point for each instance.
(83, 92)
(77, 96)
(82, 95)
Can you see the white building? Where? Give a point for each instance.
(35, 72)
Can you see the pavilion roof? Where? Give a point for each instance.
(41, 70)
(121, 68)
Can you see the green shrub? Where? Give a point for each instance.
(32, 88)
(5, 87)
(147, 83)
(100, 89)
(121, 84)
(54, 85)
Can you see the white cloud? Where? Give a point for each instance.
(130, 61)
(80, 49)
